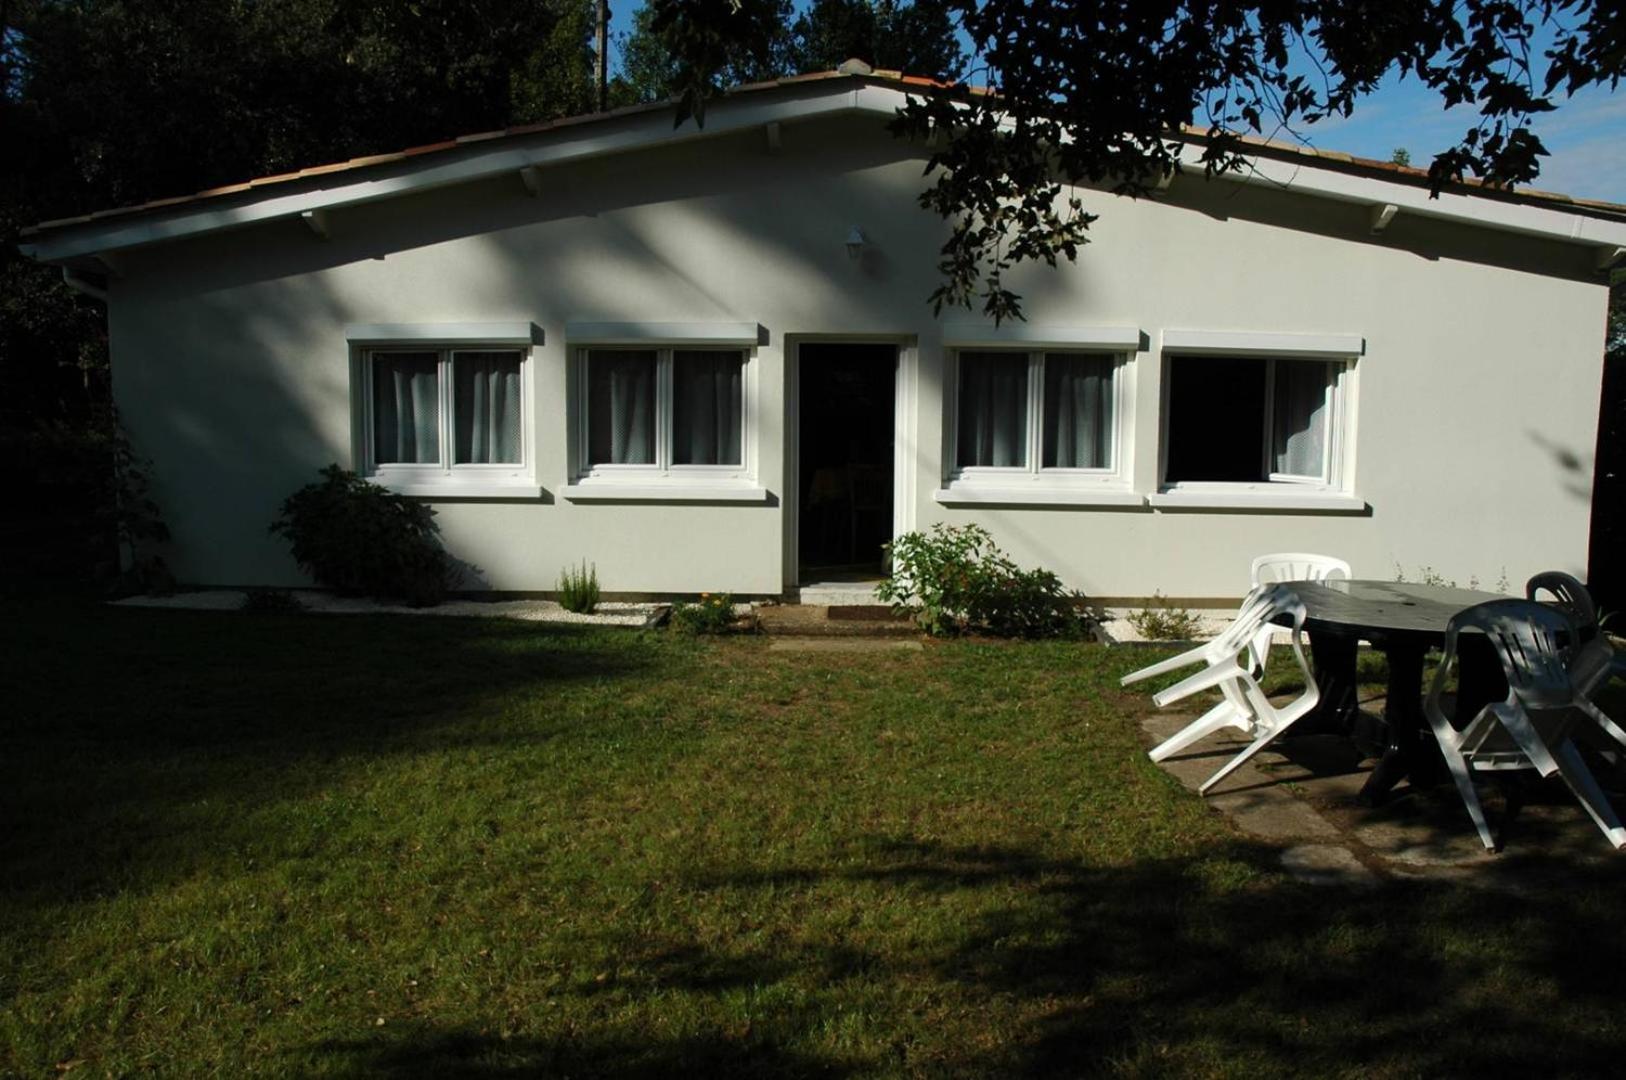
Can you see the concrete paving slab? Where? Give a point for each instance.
(1327, 864)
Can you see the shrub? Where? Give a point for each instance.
(271, 602)
(360, 539)
(954, 580)
(578, 589)
(714, 614)
(1162, 621)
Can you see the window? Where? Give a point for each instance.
(1253, 420)
(440, 413)
(659, 410)
(1047, 413)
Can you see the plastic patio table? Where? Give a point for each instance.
(1403, 620)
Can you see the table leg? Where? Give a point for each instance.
(1333, 658)
(1410, 752)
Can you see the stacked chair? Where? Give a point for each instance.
(1229, 665)
(1289, 566)
(1533, 727)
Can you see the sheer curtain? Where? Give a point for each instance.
(621, 407)
(486, 393)
(1300, 421)
(993, 409)
(1077, 411)
(706, 407)
(406, 408)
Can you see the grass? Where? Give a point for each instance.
(287, 845)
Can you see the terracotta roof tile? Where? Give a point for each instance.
(895, 78)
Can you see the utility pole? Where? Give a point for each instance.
(601, 37)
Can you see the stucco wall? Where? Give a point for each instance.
(1476, 398)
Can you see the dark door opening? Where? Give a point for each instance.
(847, 428)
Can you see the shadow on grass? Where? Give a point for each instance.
(1210, 965)
(463, 1055)
(124, 728)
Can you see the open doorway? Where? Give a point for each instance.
(845, 459)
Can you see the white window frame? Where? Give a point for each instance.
(1036, 482)
(663, 480)
(1333, 488)
(663, 467)
(446, 477)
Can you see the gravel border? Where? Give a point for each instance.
(608, 613)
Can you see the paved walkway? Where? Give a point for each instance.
(1299, 795)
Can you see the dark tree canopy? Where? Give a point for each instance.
(1096, 91)
(916, 37)
(110, 102)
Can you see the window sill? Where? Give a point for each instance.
(964, 494)
(1311, 501)
(461, 489)
(738, 491)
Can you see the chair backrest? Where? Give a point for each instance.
(1264, 604)
(1569, 594)
(1532, 641)
(1297, 566)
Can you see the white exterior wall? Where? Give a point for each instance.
(1476, 399)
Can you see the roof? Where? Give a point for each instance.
(122, 227)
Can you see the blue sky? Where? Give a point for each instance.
(1586, 136)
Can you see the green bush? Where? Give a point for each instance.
(360, 539)
(578, 589)
(271, 602)
(1162, 621)
(714, 614)
(954, 580)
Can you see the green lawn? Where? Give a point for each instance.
(308, 846)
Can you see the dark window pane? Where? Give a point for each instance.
(486, 396)
(406, 408)
(1299, 435)
(621, 407)
(993, 409)
(1216, 419)
(707, 399)
(1078, 411)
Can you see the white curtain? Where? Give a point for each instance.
(621, 407)
(486, 393)
(1300, 423)
(406, 408)
(707, 399)
(993, 409)
(1077, 411)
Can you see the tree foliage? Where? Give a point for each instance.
(105, 103)
(1100, 92)
(766, 39)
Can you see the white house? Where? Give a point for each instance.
(703, 359)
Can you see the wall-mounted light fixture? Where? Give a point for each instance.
(855, 242)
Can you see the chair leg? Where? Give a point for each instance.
(1586, 789)
(1222, 715)
(1235, 763)
(1470, 798)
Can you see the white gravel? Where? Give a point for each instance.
(608, 613)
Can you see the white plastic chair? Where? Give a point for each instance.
(1289, 566)
(1229, 669)
(1593, 660)
(1531, 729)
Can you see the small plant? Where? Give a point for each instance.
(271, 602)
(714, 614)
(360, 539)
(1162, 621)
(578, 589)
(955, 580)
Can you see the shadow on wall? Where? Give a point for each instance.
(1575, 469)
